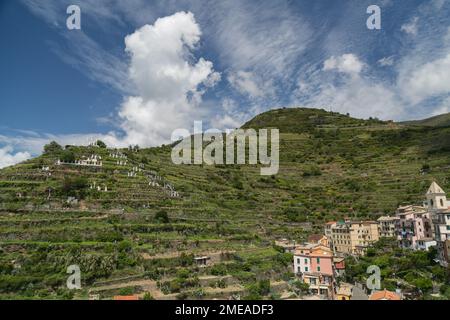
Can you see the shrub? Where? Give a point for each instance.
(67, 156)
(52, 148)
(101, 144)
(75, 187)
(162, 216)
(148, 296)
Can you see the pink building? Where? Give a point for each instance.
(413, 226)
(314, 264)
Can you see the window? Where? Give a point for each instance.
(299, 270)
(306, 260)
(298, 260)
(318, 260)
(318, 268)
(306, 269)
(442, 203)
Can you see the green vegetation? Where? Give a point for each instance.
(128, 232)
(414, 272)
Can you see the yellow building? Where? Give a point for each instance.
(352, 237)
(345, 292)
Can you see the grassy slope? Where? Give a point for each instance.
(442, 120)
(332, 166)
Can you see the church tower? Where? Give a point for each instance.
(436, 197)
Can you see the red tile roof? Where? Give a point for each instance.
(133, 297)
(384, 295)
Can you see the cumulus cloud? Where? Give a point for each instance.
(427, 80)
(358, 94)
(9, 158)
(347, 63)
(360, 98)
(170, 83)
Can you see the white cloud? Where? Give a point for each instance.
(246, 84)
(386, 61)
(427, 80)
(411, 27)
(8, 158)
(358, 94)
(169, 82)
(230, 116)
(444, 107)
(347, 63)
(360, 98)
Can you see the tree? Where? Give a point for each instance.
(52, 147)
(162, 216)
(101, 144)
(67, 156)
(74, 186)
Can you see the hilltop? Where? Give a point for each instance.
(127, 221)
(442, 120)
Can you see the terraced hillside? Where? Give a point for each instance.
(137, 223)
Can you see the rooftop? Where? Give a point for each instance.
(384, 295)
(435, 188)
(132, 297)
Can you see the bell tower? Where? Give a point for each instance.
(436, 198)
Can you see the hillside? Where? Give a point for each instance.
(442, 120)
(137, 235)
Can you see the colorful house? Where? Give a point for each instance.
(314, 264)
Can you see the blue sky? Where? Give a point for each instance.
(139, 69)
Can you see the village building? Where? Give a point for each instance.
(339, 266)
(313, 263)
(319, 239)
(352, 237)
(202, 261)
(439, 206)
(413, 224)
(287, 245)
(386, 227)
(344, 292)
(426, 243)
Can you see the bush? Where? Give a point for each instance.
(67, 156)
(311, 171)
(162, 216)
(75, 187)
(126, 291)
(52, 148)
(148, 296)
(101, 144)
